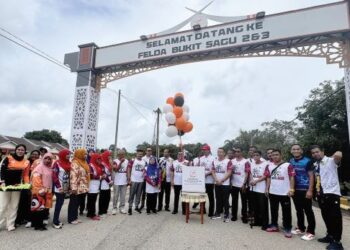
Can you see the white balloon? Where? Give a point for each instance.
(171, 131)
(170, 118)
(167, 108)
(186, 108)
(186, 116)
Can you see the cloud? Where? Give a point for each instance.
(224, 96)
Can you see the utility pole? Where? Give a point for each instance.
(117, 126)
(157, 136)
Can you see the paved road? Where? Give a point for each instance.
(161, 231)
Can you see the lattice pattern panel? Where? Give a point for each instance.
(93, 110)
(79, 108)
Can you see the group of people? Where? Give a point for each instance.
(28, 186)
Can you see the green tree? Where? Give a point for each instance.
(46, 135)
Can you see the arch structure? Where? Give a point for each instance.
(320, 31)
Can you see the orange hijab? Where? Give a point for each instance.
(79, 158)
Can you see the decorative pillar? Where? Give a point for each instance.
(86, 98)
(346, 58)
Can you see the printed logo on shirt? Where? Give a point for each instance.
(236, 170)
(256, 173)
(277, 175)
(178, 169)
(139, 167)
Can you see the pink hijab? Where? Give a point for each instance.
(45, 171)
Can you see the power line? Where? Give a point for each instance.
(33, 51)
(140, 104)
(138, 111)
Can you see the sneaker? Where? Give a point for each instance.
(297, 231)
(114, 211)
(102, 216)
(288, 234)
(226, 220)
(45, 222)
(75, 222)
(216, 217)
(28, 225)
(79, 221)
(11, 228)
(335, 246)
(233, 218)
(59, 226)
(122, 211)
(174, 212)
(325, 239)
(43, 228)
(130, 211)
(308, 237)
(272, 229)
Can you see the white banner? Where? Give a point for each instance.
(330, 18)
(193, 179)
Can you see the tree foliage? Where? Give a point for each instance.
(46, 135)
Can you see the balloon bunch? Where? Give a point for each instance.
(176, 114)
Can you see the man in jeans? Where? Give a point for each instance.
(136, 170)
(120, 169)
(165, 163)
(328, 195)
(304, 188)
(280, 187)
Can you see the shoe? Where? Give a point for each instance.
(174, 212)
(43, 228)
(102, 216)
(81, 213)
(148, 212)
(297, 231)
(335, 246)
(95, 217)
(28, 225)
(272, 229)
(114, 211)
(79, 221)
(57, 226)
(45, 222)
(216, 217)
(226, 220)
(130, 211)
(154, 211)
(138, 210)
(121, 211)
(160, 209)
(167, 209)
(244, 220)
(75, 222)
(308, 237)
(325, 239)
(11, 228)
(264, 228)
(233, 218)
(288, 234)
(142, 206)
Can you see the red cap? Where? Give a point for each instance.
(206, 147)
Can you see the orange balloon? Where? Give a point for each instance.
(178, 112)
(179, 94)
(188, 127)
(180, 123)
(170, 101)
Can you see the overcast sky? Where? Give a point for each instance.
(224, 96)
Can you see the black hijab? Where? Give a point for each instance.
(15, 156)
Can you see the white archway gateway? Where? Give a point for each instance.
(320, 31)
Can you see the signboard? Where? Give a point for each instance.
(193, 179)
(305, 22)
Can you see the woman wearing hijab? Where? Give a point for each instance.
(42, 192)
(14, 171)
(23, 212)
(79, 183)
(95, 183)
(61, 169)
(82, 200)
(106, 183)
(153, 181)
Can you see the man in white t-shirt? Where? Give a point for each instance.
(206, 161)
(146, 158)
(120, 167)
(280, 185)
(239, 178)
(328, 195)
(176, 180)
(136, 170)
(221, 171)
(259, 199)
(165, 164)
